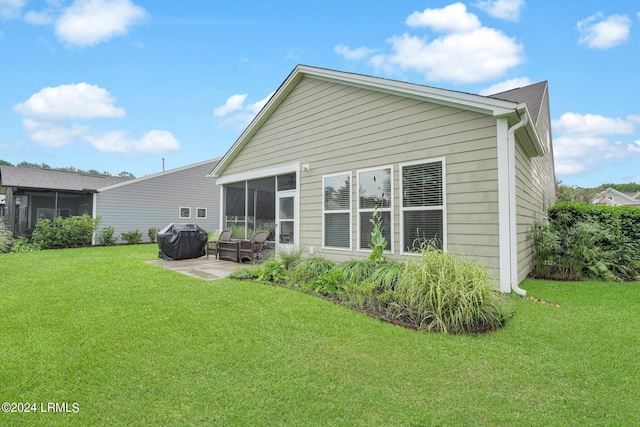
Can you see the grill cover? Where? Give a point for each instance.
(182, 241)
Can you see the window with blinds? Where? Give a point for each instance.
(336, 209)
(422, 204)
(374, 194)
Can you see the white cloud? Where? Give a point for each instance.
(257, 106)
(49, 135)
(155, 141)
(69, 102)
(465, 52)
(39, 18)
(599, 32)
(508, 10)
(589, 141)
(469, 57)
(242, 114)
(11, 8)
(353, 54)
(506, 85)
(52, 115)
(576, 124)
(234, 103)
(452, 18)
(89, 22)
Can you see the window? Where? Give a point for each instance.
(374, 194)
(185, 213)
(336, 208)
(84, 209)
(422, 204)
(201, 213)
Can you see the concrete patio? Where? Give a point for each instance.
(202, 268)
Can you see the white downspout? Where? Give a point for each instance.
(513, 233)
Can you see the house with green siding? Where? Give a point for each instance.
(331, 149)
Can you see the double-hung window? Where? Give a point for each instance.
(422, 204)
(375, 197)
(336, 208)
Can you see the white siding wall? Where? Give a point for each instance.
(337, 128)
(154, 202)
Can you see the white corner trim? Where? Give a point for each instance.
(504, 205)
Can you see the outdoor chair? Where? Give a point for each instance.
(253, 249)
(214, 246)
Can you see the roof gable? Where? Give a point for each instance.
(532, 95)
(489, 105)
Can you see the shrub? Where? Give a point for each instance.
(132, 237)
(71, 232)
(106, 237)
(328, 283)
(272, 271)
(601, 242)
(5, 238)
(441, 291)
(153, 234)
(21, 244)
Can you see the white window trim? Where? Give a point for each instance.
(389, 209)
(205, 213)
(180, 213)
(349, 211)
(422, 208)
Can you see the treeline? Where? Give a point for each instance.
(123, 174)
(576, 193)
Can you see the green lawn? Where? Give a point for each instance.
(134, 344)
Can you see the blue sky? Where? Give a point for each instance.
(117, 85)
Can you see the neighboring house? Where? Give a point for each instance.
(616, 198)
(33, 194)
(3, 201)
(181, 195)
(330, 148)
(178, 195)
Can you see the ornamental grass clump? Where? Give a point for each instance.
(308, 269)
(444, 292)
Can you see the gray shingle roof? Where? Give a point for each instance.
(48, 179)
(532, 95)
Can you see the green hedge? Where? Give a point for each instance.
(623, 221)
(588, 241)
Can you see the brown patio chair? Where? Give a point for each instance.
(213, 246)
(252, 249)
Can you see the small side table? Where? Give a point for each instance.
(229, 250)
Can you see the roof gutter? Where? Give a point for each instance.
(511, 141)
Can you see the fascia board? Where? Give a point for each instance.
(275, 100)
(467, 101)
